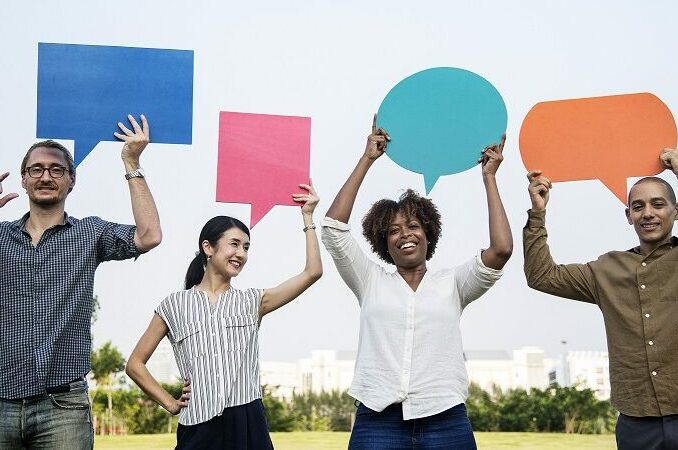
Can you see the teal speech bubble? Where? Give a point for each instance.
(440, 120)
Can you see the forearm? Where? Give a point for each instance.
(501, 239)
(313, 267)
(343, 203)
(148, 232)
(138, 372)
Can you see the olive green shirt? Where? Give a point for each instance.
(638, 296)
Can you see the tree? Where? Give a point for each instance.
(278, 413)
(106, 362)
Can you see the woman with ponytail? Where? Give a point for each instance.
(213, 328)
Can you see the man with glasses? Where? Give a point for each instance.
(46, 288)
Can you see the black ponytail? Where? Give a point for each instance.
(211, 232)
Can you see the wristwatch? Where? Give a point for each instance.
(139, 173)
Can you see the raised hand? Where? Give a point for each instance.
(492, 157)
(11, 196)
(669, 157)
(135, 141)
(539, 190)
(376, 141)
(310, 199)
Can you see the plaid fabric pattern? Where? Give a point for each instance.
(46, 299)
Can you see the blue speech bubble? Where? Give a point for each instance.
(439, 121)
(85, 90)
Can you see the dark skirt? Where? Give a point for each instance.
(386, 430)
(240, 427)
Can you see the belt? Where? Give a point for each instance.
(62, 388)
(66, 387)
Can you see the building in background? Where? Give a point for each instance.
(325, 370)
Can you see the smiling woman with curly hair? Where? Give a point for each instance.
(377, 220)
(410, 380)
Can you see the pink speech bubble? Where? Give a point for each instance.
(262, 160)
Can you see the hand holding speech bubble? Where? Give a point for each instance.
(440, 119)
(607, 138)
(84, 90)
(262, 159)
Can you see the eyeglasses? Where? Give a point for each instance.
(38, 171)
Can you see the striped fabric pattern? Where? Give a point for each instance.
(216, 348)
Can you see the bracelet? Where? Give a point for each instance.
(308, 227)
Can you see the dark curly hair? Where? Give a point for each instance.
(379, 217)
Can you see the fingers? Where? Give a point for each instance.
(144, 125)
(382, 132)
(135, 125)
(374, 123)
(7, 198)
(532, 174)
(124, 129)
(3, 176)
(500, 149)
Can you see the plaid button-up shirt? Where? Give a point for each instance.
(46, 299)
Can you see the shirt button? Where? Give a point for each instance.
(654, 373)
(647, 316)
(651, 342)
(642, 286)
(644, 264)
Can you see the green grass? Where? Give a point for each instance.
(339, 441)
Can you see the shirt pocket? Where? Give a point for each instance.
(668, 285)
(188, 339)
(239, 331)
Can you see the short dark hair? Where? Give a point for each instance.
(211, 232)
(669, 190)
(412, 205)
(50, 144)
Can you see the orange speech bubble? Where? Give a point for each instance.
(605, 138)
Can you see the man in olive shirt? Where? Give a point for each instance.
(637, 293)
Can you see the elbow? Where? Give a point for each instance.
(315, 274)
(150, 240)
(132, 369)
(505, 252)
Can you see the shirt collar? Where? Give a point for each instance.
(673, 243)
(21, 223)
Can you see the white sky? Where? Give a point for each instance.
(335, 62)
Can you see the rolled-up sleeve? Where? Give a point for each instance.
(474, 278)
(353, 265)
(115, 241)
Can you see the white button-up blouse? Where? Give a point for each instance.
(409, 348)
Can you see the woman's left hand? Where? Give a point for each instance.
(309, 199)
(492, 157)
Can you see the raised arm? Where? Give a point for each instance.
(288, 290)
(574, 281)
(148, 233)
(501, 239)
(343, 203)
(11, 196)
(137, 371)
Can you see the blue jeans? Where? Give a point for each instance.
(60, 421)
(387, 430)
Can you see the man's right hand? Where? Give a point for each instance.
(376, 141)
(539, 190)
(8, 197)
